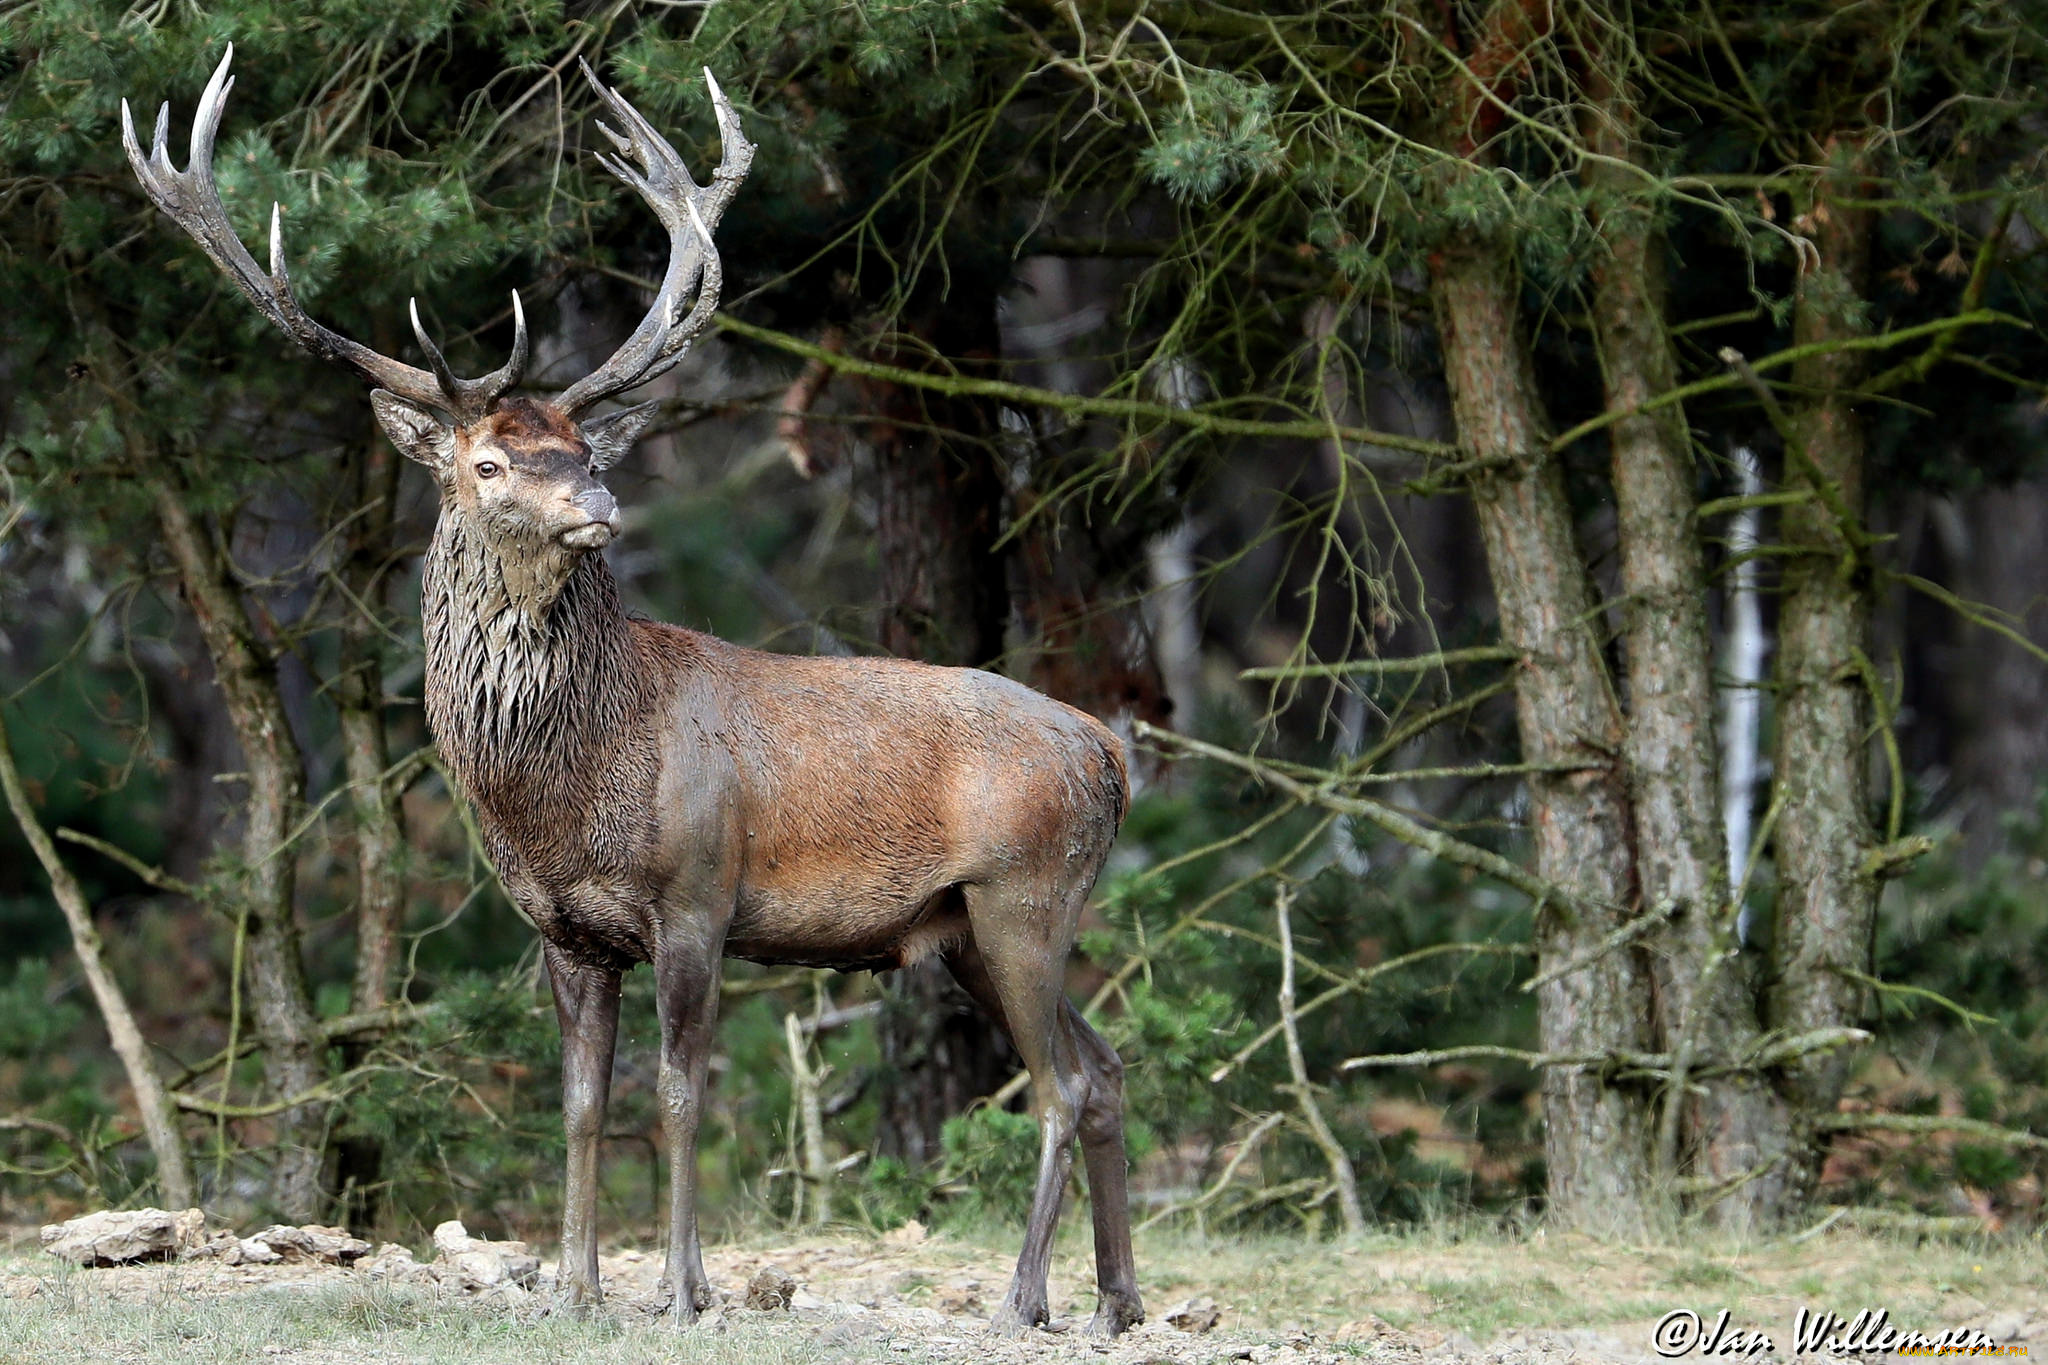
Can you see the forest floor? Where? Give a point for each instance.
(1430, 1298)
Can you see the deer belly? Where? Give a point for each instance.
(853, 933)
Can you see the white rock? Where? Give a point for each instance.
(219, 1244)
(477, 1263)
(117, 1236)
(1194, 1315)
(313, 1242)
(251, 1251)
(909, 1235)
(395, 1263)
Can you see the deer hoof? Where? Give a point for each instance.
(1115, 1315)
(573, 1300)
(1013, 1322)
(681, 1309)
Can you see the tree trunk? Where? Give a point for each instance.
(281, 1002)
(152, 1102)
(1999, 697)
(1596, 1135)
(939, 494)
(1082, 566)
(1737, 1125)
(1082, 604)
(365, 747)
(366, 763)
(1827, 898)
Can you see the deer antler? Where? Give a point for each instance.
(690, 212)
(192, 199)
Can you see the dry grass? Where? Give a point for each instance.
(1483, 1284)
(1443, 1289)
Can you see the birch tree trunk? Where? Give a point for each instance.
(1737, 1125)
(1827, 897)
(1597, 1137)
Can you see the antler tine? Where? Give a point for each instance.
(474, 397)
(436, 362)
(192, 200)
(690, 212)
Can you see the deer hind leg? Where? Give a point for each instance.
(1102, 1149)
(587, 1007)
(686, 1000)
(1014, 965)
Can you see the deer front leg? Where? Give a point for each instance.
(686, 998)
(587, 1006)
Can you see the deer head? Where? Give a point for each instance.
(523, 472)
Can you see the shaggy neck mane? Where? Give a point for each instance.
(528, 677)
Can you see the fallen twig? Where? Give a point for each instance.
(1345, 1178)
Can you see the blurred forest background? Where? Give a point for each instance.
(1554, 494)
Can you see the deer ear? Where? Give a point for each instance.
(613, 434)
(418, 433)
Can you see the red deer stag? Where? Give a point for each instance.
(650, 794)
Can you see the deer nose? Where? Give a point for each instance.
(599, 505)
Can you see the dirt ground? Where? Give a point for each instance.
(1432, 1298)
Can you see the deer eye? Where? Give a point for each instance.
(487, 470)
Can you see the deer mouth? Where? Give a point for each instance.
(592, 535)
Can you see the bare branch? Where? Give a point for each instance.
(1405, 828)
(174, 1172)
(1926, 1125)
(1421, 663)
(1304, 1094)
(155, 876)
(1083, 405)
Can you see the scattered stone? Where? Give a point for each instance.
(909, 1235)
(770, 1291)
(217, 1246)
(2006, 1327)
(395, 1264)
(312, 1242)
(118, 1236)
(1368, 1328)
(961, 1294)
(250, 1251)
(477, 1264)
(1194, 1315)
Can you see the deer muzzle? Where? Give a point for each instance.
(603, 510)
